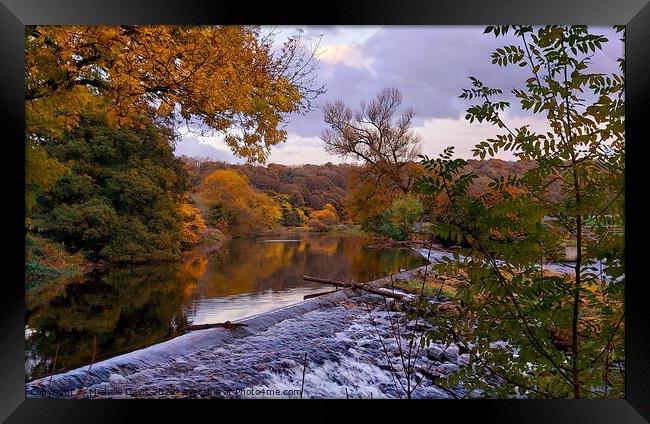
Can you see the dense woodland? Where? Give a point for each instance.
(300, 189)
(297, 189)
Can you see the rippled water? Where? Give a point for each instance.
(341, 349)
(128, 308)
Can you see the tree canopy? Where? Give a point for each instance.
(231, 202)
(225, 78)
(118, 199)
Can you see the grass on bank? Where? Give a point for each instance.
(46, 260)
(433, 285)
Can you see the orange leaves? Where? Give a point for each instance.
(225, 77)
(192, 223)
(323, 218)
(366, 197)
(245, 209)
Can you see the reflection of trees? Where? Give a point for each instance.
(256, 266)
(129, 308)
(125, 309)
(190, 272)
(370, 264)
(249, 268)
(324, 245)
(41, 295)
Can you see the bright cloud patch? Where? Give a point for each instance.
(205, 148)
(439, 133)
(350, 54)
(301, 150)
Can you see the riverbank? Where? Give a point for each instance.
(46, 261)
(49, 264)
(337, 229)
(339, 333)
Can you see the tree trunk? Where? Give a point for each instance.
(227, 325)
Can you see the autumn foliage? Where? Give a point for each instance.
(321, 219)
(103, 104)
(224, 77)
(192, 223)
(230, 202)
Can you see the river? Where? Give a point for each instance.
(128, 308)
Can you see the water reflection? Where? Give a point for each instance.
(125, 309)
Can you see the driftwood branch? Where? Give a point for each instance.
(353, 285)
(227, 325)
(309, 296)
(406, 245)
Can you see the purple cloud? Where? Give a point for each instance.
(431, 66)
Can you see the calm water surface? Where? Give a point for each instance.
(125, 309)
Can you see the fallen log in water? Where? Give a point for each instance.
(227, 325)
(407, 245)
(353, 285)
(309, 296)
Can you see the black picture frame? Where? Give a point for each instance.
(15, 14)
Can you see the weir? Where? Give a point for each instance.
(169, 352)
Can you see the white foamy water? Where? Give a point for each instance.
(345, 358)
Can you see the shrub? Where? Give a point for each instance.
(398, 220)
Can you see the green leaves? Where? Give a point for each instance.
(447, 175)
(119, 200)
(510, 292)
(497, 30)
(509, 55)
(401, 216)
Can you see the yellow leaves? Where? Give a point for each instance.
(41, 173)
(192, 223)
(220, 75)
(165, 109)
(323, 218)
(367, 197)
(246, 208)
(56, 115)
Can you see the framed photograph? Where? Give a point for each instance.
(423, 200)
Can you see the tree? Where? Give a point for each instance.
(398, 220)
(373, 135)
(192, 222)
(43, 173)
(323, 218)
(563, 332)
(368, 198)
(384, 143)
(119, 198)
(292, 215)
(232, 202)
(226, 78)
(366, 201)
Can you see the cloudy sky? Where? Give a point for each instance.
(430, 65)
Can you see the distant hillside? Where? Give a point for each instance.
(312, 186)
